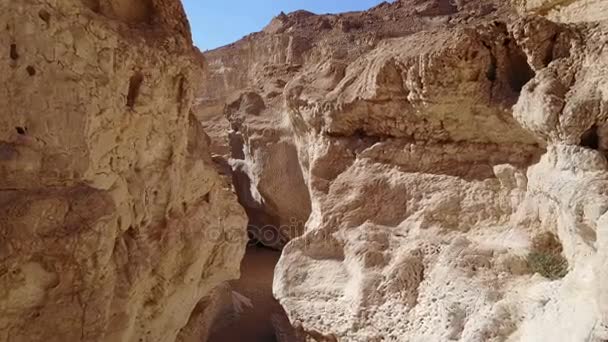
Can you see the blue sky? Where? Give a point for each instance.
(219, 22)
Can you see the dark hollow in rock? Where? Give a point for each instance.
(13, 52)
(134, 87)
(45, 16)
(590, 138)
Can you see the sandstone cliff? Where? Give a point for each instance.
(453, 157)
(114, 223)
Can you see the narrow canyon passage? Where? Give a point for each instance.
(423, 170)
(258, 322)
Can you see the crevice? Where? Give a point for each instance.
(590, 139)
(45, 16)
(492, 72)
(181, 83)
(362, 135)
(277, 207)
(132, 233)
(135, 83)
(509, 68)
(14, 55)
(519, 70)
(551, 53)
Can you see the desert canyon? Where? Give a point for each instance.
(425, 170)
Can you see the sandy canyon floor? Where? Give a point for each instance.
(254, 324)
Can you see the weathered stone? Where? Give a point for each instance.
(437, 140)
(113, 221)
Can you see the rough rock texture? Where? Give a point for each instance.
(566, 10)
(267, 173)
(438, 141)
(114, 222)
(264, 159)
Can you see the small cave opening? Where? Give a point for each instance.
(591, 138)
(508, 65)
(13, 52)
(21, 130)
(520, 72)
(135, 83)
(30, 70)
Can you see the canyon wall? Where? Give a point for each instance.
(453, 156)
(114, 222)
(433, 170)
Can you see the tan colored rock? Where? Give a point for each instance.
(258, 141)
(114, 222)
(437, 142)
(267, 171)
(250, 78)
(566, 10)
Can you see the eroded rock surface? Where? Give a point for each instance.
(114, 223)
(566, 10)
(438, 140)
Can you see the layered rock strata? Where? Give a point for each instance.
(440, 142)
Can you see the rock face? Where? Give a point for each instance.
(441, 143)
(566, 10)
(266, 169)
(114, 223)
